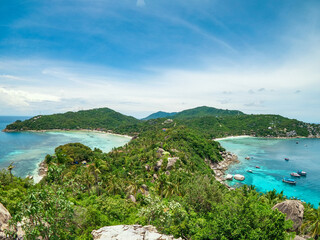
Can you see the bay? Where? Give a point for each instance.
(27, 149)
(269, 155)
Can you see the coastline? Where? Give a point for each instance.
(73, 130)
(232, 137)
(219, 168)
(41, 168)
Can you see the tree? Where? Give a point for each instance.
(45, 213)
(10, 167)
(312, 222)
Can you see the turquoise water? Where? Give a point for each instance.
(28, 149)
(269, 154)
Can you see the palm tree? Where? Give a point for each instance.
(10, 167)
(312, 223)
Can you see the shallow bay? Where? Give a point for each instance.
(28, 149)
(269, 155)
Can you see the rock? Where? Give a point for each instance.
(239, 177)
(132, 198)
(171, 162)
(294, 211)
(299, 238)
(229, 177)
(168, 121)
(147, 167)
(4, 221)
(132, 232)
(144, 187)
(159, 163)
(155, 176)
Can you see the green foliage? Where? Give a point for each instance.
(311, 224)
(12, 191)
(184, 199)
(254, 125)
(102, 118)
(46, 213)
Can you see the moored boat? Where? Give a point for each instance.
(294, 174)
(302, 173)
(250, 171)
(257, 167)
(287, 159)
(247, 158)
(289, 180)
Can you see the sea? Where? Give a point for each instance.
(27, 149)
(269, 154)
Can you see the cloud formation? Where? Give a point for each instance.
(141, 3)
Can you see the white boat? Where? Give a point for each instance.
(294, 174)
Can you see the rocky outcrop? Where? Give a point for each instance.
(43, 169)
(220, 167)
(229, 177)
(294, 211)
(299, 238)
(171, 162)
(132, 198)
(132, 232)
(239, 177)
(4, 221)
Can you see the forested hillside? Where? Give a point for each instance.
(159, 178)
(253, 125)
(102, 118)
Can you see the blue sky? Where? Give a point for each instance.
(142, 56)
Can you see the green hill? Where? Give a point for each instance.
(195, 112)
(159, 114)
(206, 111)
(254, 125)
(101, 118)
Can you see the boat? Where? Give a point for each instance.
(294, 174)
(297, 142)
(257, 167)
(287, 159)
(289, 180)
(302, 173)
(247, 158)
(250, 171)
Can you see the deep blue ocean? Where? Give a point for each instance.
(269, 155)
(28, 149)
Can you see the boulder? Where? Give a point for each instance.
(147, 167)
(159, 163)
(229, 177)
(144, 187)
(239, 177)
(4, 221)
(294, 211)
(299, 238)
(132, 232)
(171, 162)
(132, 198)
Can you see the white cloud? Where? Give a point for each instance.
(141, 3)
(19, 98)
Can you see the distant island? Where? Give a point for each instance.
(208, 121)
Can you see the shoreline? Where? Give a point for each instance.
(219, 168)
(41, 170)
(72, 130)
(248, 136)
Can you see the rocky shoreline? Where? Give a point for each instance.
(43, 169)
(219, 168)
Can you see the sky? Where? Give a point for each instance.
(142, 56)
